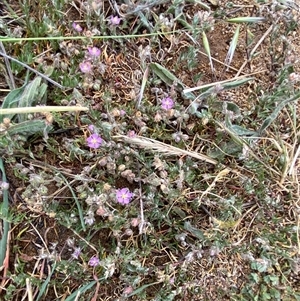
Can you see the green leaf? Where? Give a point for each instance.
(275, 113)
(29, 96)
(30, 92)
(179, 212)
(207, 50)
(170, 79)
(246, 20)
(140, 289)
(45, 283)
(232, 47)
(165, 75)
(28, 128)
(4, 213)
(196, 232)
(11, 101)
(240, 131)
(236, 83)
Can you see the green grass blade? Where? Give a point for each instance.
(207, 50)
(76, 201)
(232, 47)
(246, 20)
(275, 113)
(45, 284)
(140, 289)
(237, 83)
(4, 214)
(203, 5)
(81, 290)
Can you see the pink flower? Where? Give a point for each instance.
(124, 196)
(167, 103)
(131, 134)
(77, 27)
(94, 261)
(128, 290)
(114, 20)
(94, 141)
(94, 51)
(91, 128)
(85, 67)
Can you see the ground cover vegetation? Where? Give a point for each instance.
(149, 150)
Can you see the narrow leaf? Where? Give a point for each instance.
(27, 128)
(275, 113)
(207, 49)
(81, 290)
(30, 91)
(165, 75)
(232, 47)
(196, 232)
(140, 289)
(246, 20)
(170, 79)
(4, 213)
(43, 288)
(240, 131)
(224, 83)
(236, 83)
(143, 86)
(11, 101)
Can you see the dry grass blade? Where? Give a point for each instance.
(163, 148)
(292, 168)
(31, 69)
(29, 290)
(42, 109)
(143, 86)
(11, 82)
(256, 46)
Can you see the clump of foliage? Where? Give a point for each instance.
(149, 151)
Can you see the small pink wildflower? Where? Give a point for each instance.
(124, 196)
(167, 103)
(94, 51)
(115, 20)
(128, 290)
(131, 134)
(77, 27)
(135, 222)
(91, 127)
(94, 261)
(94, 141)
(85, 67)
